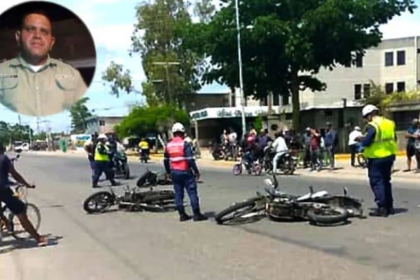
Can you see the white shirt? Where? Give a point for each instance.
(120, 148)
(280, 145)
(36, 68)
(352, 137)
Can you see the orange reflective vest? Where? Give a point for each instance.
(175, 151)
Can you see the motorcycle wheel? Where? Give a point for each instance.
(126, 169)
(289, 167)
(327, 215)
(215, 156)
(98, 202)
(237, 169)
(257, 169)
(235, 212)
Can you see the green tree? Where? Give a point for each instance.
(143, 120)
(14, 132)
(79, 113)
(286, 43)
(258, 123)
(158, 39)
(383, 101)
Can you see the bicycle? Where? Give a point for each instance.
(9, 223)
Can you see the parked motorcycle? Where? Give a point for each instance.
(286, 163)
(319, 208)
(217, 151)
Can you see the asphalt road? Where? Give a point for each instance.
(121, 245)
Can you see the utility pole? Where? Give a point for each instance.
(170, 97)
(241, 82)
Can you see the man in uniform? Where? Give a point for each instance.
(89, 147)
(102, 162)
(33, 83)
(380, 147)
(180, 164)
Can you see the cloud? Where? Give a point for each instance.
(406, 25)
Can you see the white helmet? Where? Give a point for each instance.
(102, 137)
(357, 128)
(368, 109)
(178, 127)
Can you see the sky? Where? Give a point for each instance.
(111, 24)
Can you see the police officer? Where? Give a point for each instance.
(380, 147)
(89, 148)
(33, 83)
(102, 162)
(180, 164)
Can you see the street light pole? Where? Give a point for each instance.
(241, 82)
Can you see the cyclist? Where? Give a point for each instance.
(144, 148)
(12, 202)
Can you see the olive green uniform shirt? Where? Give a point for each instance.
(50, 90)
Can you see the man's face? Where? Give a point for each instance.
(35, 38)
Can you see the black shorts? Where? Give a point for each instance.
(13, 203)
(411, 151)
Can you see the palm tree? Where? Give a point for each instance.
(79, 113)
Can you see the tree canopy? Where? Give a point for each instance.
(14, 132)
(286, 43)
(143, 120)
(79, 114)
(172, 70)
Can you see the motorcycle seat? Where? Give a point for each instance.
(314, 195)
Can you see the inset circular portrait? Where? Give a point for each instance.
(47, 58)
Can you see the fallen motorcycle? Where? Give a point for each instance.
(131, 200)
(319, 208)
(153, 178)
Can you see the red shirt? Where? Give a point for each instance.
(315, 142)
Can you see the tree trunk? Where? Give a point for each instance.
(295, 100)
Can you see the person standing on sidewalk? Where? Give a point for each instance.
(353, 144)
(417, 147)
(380, 147)
(102, 162)
(307, 148)
(411, 139)
(180, 165)
(331, 142)
(315, 149)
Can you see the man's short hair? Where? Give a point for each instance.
(36, 11)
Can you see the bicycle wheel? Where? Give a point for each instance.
(241, 211)
(98, 202)
(34, 216)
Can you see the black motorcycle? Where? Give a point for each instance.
(120, 164)
(144, 155)
(217, 151)
(286, 163)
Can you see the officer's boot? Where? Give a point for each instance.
(198, 216)
(379, 212)
(183, 216)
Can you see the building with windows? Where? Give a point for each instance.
(394, 64)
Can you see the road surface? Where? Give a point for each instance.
(121, 245)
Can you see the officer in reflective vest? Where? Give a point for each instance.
(180, 164)
(380, 147)
(102, 162)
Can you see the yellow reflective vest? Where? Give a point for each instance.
(384, 144)
(99, 156)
